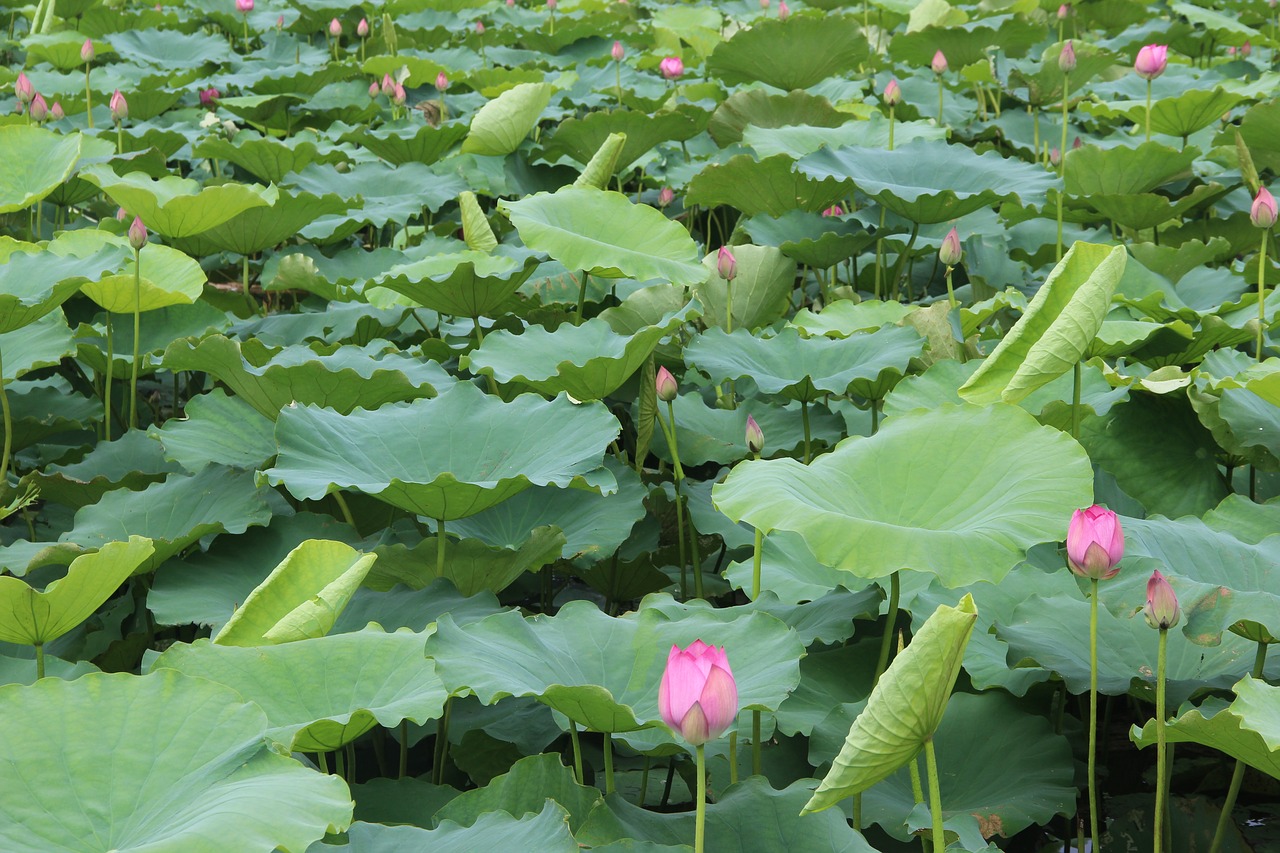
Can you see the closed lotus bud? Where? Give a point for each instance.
(280, 22)
(1079, 143)
(1262, 213)
(834, 210)
(56, 113)
(374, 89)
(618, 51)
(784, 11)
(119, 107)
(1095, 543)
(1161, 609)
(510, 3)
(671, 67)
(666, 385)
(698, 696)
(892, 93)
(442, 82)
(939, 64)
(1067, 59)
(1152, 61)
(208, 96)
(86, 51)
(362, 28)
(764, 4)
(335, 28)
(1064, 11)
(1246, 48)
(1231, 51)
(726, 264)
(398, 95)
(552, 4)
(755, 435)
(665, 196)
(388, 85)
(121, 214)
(137, 234)
(479, 28)
(39, 109)
(950, 252)
(1055, 156)
(24, 89)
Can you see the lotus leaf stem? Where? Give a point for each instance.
(1093, 716)
(733, 756)
(669, 431)
(804, 420)
(935, 797)
(609, 787)
(1262, 306)
(875, 416)
(577, 751)
(106, 395)
(442, 744)
(1062, 157)
(1237, 775)
(344, 509)
(756, 765)
(1075, 402)
(322, 759)
(339, 763)
(582, 298)
(440, 544)
(1162, 758)
(644, 781)
(8, 431)
(137, 332)
(404, 750)
(39, 661)
(700, 818)
(891, 617)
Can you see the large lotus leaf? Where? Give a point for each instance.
(965, 509)
(966, 44)
(444, 458)
(762, 287)
(1147, 210)
(412, 143)
(132, 461)
(1006, 790)
(789, 571)
(389, 193)
(1092, 170)
(1173, 115)
(837, 677)
(759, 108)
(339, 686)
(814, 240)
(581, 138)
(929, 181)
(173, 514)
(1260, 130)
(606, 235)
(589, 361)
(806, 369)
(130, 777)
(61, 50)
(772, 186)
(218, 429)
(42, 343)
(501, 125)
(749, 817)
(469, 283)
(546, 832)
(793, 54)
(827, 620)
(1253, 738)
(34, 617)
(603, 672)
(524, 790)
(173, 206)
(844, 318)
(34, 280)
(470, 566)
(36, 162)
(707, 433)
(416, 610)
(341, 378)
(301, 598)
(1244, 519)
(802, 140)
(1057, 328)
(168, 276)
(258, 228)
(168, 49)
(265, 158)
(1044, 82)
(904, 709)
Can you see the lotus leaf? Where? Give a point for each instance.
(793, 54)
(36, 161)
(772, 186)
(546, 831)
(177, 207)
(501, 125)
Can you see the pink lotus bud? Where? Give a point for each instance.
(121, 214)
(939, 64)
(374, 89)
(335, 28)
(56, 113)
(551, 4)
(1055, 156)
(1262, 213)
(671, 67)
(1064, 11)
(208, 96)
(510, 3)
(698, 696)
(479, 28)
(39, 109)
(834, 210)
(950, 253)
(119, 107)
(726, 264)
(1095, 543)
(618, 51)
(666, 385)
(137, 234)
(362, 28)
(388, 85)
(1231, 51)
(665, 196)
(1079, 143)
(1246, 48)
(398, 95)
(1152, 60)
(755, 435)
(280, 22)
(892, 93)
(764, 4)
(23, 88)
(244, 7)
(442, 82)
(1067, 59)
(1161, 609)
(87, 52)
(784, 11)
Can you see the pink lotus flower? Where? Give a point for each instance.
(892, 93)
(442, 82)
(939, 64)
(666, 386)
(362, 28)
(374, 89)
(137, 234)
(87, 52)
(755, 435)
(618, 51)
(698, 697)
(665, 196)
(726, 264)
(335, 28)
(119, 107)
(1263, 211)
(950, 252)
(1064, 11)
(208, 96)
(479, 28)
(671, 67)
(1055, 156)
(1067, 59)
(56, 113)
(398, 96)
(24, 89)
(1152, 60)
(244, 7)
(834, 210)
(388, 85)
(1095, 543)
(1246, 48)
(39, 109)
(784, 11)
(1161, 609)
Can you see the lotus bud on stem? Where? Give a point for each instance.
(1151, 62)
(1067, 63)
(950, 254)
(1161, 612)
(618, 52)
(362, 31)
(939, 66)
(442, 85)
(1263, 215)
(119, 112)
(87, 53)
(666, 389)
(335, 33)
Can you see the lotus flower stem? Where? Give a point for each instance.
(582, 297)
(244, 279)
(886, 641)
(757, 561)
(1237, 776)
(1262, 281)
(245, 20)
(106, 394)
(403, 769)
(442, 744)
(609, 787)
(1075, 402)
(891, 123)
(733, 757)
(1148, 109)
(644, 781)
(137, 331)
(700, 818)
(804, 419)
(88, 97)
(440, 544)
(344, 509)
(8, 435)
(577, 751)
(1094, 837)
(1062, 159)
(669, 430)
(935, 797)
(941, 90)
(756, 766)
(322, 760)
(951, 293)
(1162, 758)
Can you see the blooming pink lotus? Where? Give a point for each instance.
(1161, 610)
(1152, 61)
(698, 696)
(671, 67)
(208, 96)
(834, 210)
(1095, 543)
(1263, 211)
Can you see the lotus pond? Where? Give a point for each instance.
(435, 425)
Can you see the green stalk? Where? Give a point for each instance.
(442, 744)
(1237, 776)
(577, 751)
(345, 510)
(669, 430)
(804, 420)
(756, 563)
(403, 769)
(617, 67)
(644, 781)
(608, 764)
(1162, 781)
(886, 641)
(728, 305)
(935, 797)
(756, 766)
(339, 764)
(1062, 158)
(440, 542)
(39, 661)
(1148, 110)
(891, 127)
(8, 432)
(733, 756)
(940, 91)
(246, 33)
(88, 96)
(1075, 404)
(248, 297)
(582, 297)
(917, 793)
(700, 819)
(137, 331)
(106, 396)
(1262, 269)
(1093, 717)
(322, 758)
(951, 294)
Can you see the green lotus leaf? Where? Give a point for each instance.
(61, 50)
(35, 617)
(1057, 328)
(1178, 115)
(762, 287)
(169, 277)
(603, 164)
(388, 194)
(613, 687)
(965, 511)
(501, 125)
(444, 458)
(258, 228)
(34, 280)
(1229, 729)
(188, 779)
(827, 620)
(806, 369)
(606, 235)
(547, 832)
(792, 54)
(789, 571)
(1044, 82)
(838, 677)
(772, 186)
(905, 707)
(410, 143)
(42, 343)
(416, 610)
(301, 598)
(929, 181)
(339, 687)
(1244, 519)
(132, 461)
(476, 232)
(1260, 130)
(580, 138)
(167, 49)
(471, 566)
(1093, 170)
(589, 362)
(800, 141)
(844, 318)
(469, 283)
(707, 433)
(218, 429)
(343, 378)
(524, 790)
(760, 108)
(40, 408)
(267, 159)
(1147, 210)
(36, 162)
(964, 45)
(173, 206)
